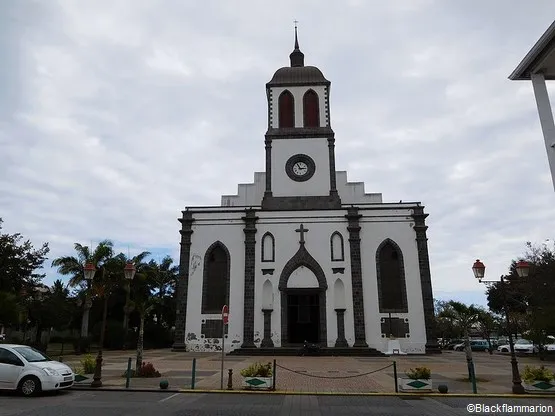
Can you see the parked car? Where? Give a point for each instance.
(521, 346)
(30, 371)
(475, 345)
(452, 343)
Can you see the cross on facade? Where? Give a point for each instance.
(302, 230)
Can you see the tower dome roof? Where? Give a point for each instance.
(297, 73)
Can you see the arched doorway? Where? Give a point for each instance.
(303, 300)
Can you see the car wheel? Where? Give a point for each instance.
(29, 386)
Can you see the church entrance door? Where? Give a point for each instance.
(303, 316)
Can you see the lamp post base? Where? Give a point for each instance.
(97, 377)
(518, 389)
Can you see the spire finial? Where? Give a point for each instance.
(296, 39)
(297, 57)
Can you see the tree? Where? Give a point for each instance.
(74, 266)
(19, 261)
(488, 323)
(464, 317)
(444, 322)
(143, 303)
(528, 300)
(162, 280)
(141, 269)
(9, 309)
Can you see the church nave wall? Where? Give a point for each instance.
(401, 234)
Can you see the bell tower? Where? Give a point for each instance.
(300, 143)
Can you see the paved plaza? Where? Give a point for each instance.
(316, 374)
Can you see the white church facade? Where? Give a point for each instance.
(302, 254)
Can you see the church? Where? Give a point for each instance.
(302, 254)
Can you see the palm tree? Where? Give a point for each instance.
(464, 317)
(141, 270)
(488, 324)
(143, 307)
(162, 279)
(74, 266)
(143, 304)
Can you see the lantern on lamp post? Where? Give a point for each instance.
(523, 270)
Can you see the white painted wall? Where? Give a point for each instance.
(251, 194)
(376, 225)
(353, 192)
(321, 225)
(298, 93)
(317, 149)
(302, 277)
(207, 229)
(372, 234)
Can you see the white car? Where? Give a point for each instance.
(521, 346)
(30, 371)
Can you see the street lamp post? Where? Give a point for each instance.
(129, 273)
(89, 271)
(522, 269)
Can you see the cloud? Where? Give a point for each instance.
(115, 115)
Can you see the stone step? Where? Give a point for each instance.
(324, 351)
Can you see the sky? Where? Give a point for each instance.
(116, 114)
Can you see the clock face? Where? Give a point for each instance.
(300, 167)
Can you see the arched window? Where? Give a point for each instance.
(311, 109)
(268, 247)
(391, 278)
(337, 249)
(215, 283)
(286, 104)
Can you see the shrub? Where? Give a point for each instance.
(422, 373)
(538, 374)
(257, 370)
(147, 370)
(88, 364)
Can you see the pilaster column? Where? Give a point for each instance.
(267, 341)
(250, 252)
(183, 282)
(356, 276)
(341, 342)
(333, 179)
(425, 279)
(268, 190)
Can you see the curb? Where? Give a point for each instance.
(308, 393)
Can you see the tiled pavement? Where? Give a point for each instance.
(316, 374)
